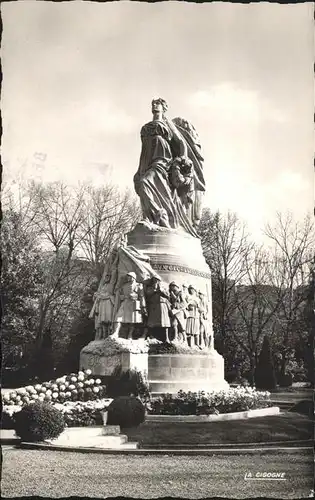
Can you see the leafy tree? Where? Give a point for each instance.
(265, 373)
(21, 279)
(80, 333)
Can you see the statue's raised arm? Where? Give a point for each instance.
(170, 180)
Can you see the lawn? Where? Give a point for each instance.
(283, 427)
(53, 474)
(294, 389)
(291, 394)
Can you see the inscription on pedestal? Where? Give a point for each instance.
(111, 430)
(105, 365)
(174, 372)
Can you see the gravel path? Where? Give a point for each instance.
(60, 474)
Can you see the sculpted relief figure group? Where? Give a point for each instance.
(177, 313)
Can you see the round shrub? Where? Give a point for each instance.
(305, 407)
(231, 376)
(126, 411)
(39, 421)
(285, 380)
(127, 383)
(7, 420)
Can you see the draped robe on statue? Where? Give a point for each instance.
(162, 141)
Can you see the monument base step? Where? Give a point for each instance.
(96, 430)
(133, 445)
(107, 437)
(108, 442)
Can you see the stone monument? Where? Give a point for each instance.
(153, 308)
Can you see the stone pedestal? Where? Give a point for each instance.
(100, 357)
(174, 255)
(177, 256)
(169, 373)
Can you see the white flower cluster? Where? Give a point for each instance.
(70, 406)
(223, 401)
(73, 387)
(246, 397)
(11, 409)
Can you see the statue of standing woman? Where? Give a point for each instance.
(102, 310)
(158, 306)
(193, 319)
(129, 305)
(178, 312)
(163, 201)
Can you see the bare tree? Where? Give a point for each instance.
(17, 198)
(257, 302)
(108, 214)
(58, 214)
(74, 229)
(226, 247)
(293, 244)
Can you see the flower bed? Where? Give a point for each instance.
(76, 413)
(83, 414)
(215, 402)
(79, 386)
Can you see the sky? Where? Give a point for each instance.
(79, 77)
